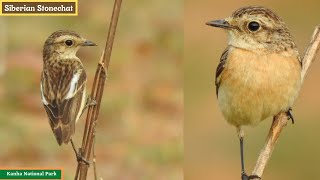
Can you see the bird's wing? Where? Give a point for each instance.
(63, 96)
(220, 68)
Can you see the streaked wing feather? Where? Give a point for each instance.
(63, 105)
(220, 68)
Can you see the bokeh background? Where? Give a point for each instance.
(211, 145)
(140, 128)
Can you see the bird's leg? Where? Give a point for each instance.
(244, 176)
(78, 154)
(242, 158)
(241, 134)
(290, 116)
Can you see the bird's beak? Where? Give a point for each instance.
(220, 24)
(88, 43)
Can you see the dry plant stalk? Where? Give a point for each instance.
(96, 94)
(280, 120)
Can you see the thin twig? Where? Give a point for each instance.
(96, 94)
(94, 154)
(311, 52)
(280, 121)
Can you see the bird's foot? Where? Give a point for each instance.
(90, 102)
(78, 154)
(290, 116)
(82, 159)
(244, 176)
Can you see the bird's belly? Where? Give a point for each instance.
(253, 89)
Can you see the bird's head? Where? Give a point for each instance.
(65, 44)
(254, 28)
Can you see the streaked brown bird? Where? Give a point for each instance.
(63, 83)
(259, 72)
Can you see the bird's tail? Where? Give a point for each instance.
(62, 134)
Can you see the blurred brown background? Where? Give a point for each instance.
(139, 133)
(211, 145)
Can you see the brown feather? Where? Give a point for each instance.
(220, 68)
(63, 111)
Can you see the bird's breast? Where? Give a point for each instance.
(255, 86)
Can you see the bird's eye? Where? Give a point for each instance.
(69, 42)
(253, 26)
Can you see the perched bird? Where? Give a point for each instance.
(63, 83)
(259, 72)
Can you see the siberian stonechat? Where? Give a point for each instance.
(63, 83)
(259, 72)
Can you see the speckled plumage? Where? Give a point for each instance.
(63, 82)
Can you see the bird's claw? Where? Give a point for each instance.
(81, 159)
(290, 116)
(244, 176)
(91, 102)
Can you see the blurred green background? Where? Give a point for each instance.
(211, 144)
(139, 133)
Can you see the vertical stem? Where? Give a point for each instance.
(96, 94)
